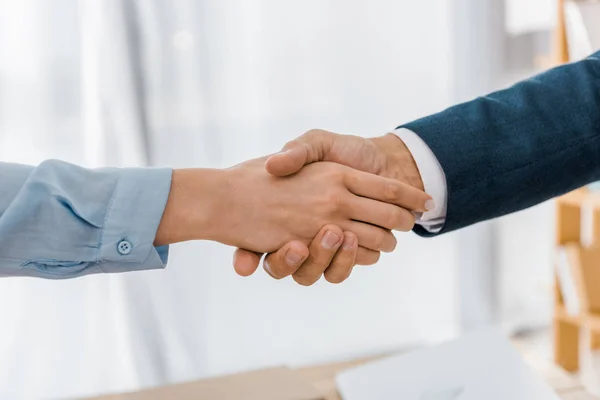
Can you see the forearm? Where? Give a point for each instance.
(518, 147)
(58, 220)
(195, 201)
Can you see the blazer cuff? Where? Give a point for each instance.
(434, 131)
(433, 177)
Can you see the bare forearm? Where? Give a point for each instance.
(194, 200)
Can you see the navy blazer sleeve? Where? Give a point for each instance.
(518, 147)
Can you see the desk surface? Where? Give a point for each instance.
(566, 385)
(322, 378)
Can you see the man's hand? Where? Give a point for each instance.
(322, 257)
(386, 156)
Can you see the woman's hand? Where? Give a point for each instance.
(260, 212)
(246, 207)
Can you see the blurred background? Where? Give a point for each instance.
(210, 83)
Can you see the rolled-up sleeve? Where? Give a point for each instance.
(61, 221)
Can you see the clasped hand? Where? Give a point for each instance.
(324, 204)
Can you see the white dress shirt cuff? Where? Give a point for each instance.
(433, 177)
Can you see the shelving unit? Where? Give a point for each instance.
(585, 267)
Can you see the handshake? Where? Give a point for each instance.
(325, 203)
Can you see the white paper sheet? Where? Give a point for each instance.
(478, 366)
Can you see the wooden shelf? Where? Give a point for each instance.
(560, 313)
(580, 197)
(583, 256)
(592, 322)
(583, 263)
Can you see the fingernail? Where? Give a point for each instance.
(348, 242)
(329, 240)
(267, 267)
(292, 258)
(429, 205)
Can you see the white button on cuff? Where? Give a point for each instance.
(124, 247)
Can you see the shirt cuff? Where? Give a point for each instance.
(433, 177)
(132, 220)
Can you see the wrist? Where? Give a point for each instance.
(399, 162)
(194, 202)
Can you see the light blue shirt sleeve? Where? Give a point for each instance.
(58, 220)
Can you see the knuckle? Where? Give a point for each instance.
(350, 239)
(303, 279)
(392, 243)
(374, 259)
(337, 173)
(333, 199)
(370, 258)
(314, 262)
(336, 276)
(406, 221)
(310, 260)
(378, 240)
(294, 143)
(291, 144)
(396, 217)
(366, 257)
(313, 132)
(352, 180)
(392, 191)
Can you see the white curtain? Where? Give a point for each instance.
(58, 339)
(212, 83)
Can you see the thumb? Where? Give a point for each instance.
(288, 161)
(286, 260)
(311, 147)
(245, 262)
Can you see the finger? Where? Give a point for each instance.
(340, 267)
(245, 262)
(287, 162)
(381, 214)
(365, 256)
(286, 260)
(322, 250)
(311, 147)
(388, 190)
(370, 236)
